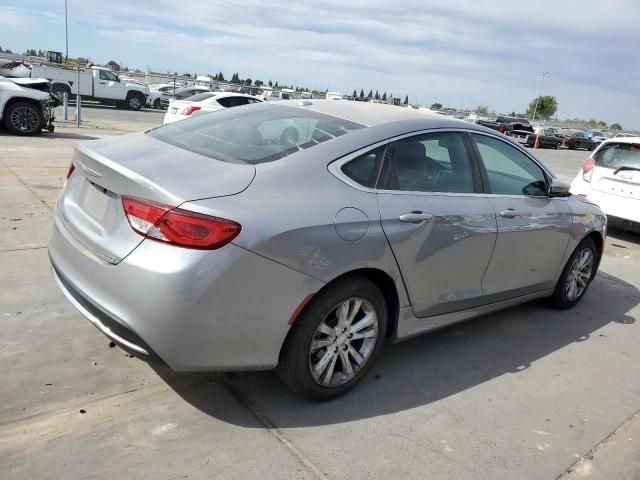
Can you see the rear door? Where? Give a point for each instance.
(441, 227)
(533, 228)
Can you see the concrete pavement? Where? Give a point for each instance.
(524, 393)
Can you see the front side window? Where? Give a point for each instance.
(365, 168)
(264, 133)
(107, 75)
(509, 170)
(433, 162)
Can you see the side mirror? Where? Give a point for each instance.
(558, 188)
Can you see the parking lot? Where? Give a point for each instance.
(530, 392)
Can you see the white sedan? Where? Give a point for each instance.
(205, 103)
(610, 178)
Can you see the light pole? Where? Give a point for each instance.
(66, 33)
(535, 108)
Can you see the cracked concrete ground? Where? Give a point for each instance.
(529, 392)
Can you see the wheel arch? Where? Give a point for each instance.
(14, 100)
(598, 239)
(387, 286)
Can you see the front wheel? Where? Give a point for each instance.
(576, 276)
(23, 118)
(335, 340)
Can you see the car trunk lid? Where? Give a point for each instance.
(622, 183)
(90, 205)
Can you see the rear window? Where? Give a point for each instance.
(617, 155)
(253, 134)
(201, 96)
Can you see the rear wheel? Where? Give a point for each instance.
(577, 275)
(23, 118)
(335, 340)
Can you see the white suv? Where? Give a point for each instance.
(610, 178)
(25, 105)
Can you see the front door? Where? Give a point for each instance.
(533, 228)
(440, 226)
(108, 85)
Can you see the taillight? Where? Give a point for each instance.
(72, 167)
(164, 223)
(587, 169)
(501, 128)
(190, 110)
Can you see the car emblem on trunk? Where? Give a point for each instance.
(88, 171)
(626, 176)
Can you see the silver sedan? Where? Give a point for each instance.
(301, 235)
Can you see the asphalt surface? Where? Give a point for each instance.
(529, 392)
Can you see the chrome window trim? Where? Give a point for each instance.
(335, 167)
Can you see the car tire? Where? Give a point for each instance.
(558, 146)
(23, 118)
(135, 102)
(156, 103)
(318, 340)
(564, 296)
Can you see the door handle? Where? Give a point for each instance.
(509, 213)
(415, 217)
(103, 83)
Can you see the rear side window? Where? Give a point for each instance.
(365, 168)
(617, 155)
(229, 102)
(262, 133)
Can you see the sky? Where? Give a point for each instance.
(461, 53)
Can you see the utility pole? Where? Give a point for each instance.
(535, 108)
(66, 32)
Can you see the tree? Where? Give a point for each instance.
(384, 97)
(247, 81)
(436, 106)
(270, 83)
(543, 106)
(616, 126)
(370, 95)
(481, 110)
(361, 93)
(406, 100)
(377, 96)
(258, 83)
(275, 84)
(221, 77)
(113, 65)
(355, 93)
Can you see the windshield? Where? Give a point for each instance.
(254, 133)
(616, 155)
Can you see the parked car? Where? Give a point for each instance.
(271, 95)
(96, 83)
(181, 94)
(597, 136)
(155, 93)
(205, 103)
(25, 105)
(610, 178)
(577, 140)
(547, 138)
(518, 128)
(215, 244)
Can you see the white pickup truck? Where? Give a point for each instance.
(96, 83)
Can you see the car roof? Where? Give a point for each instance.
(622, 140)
(370, 114)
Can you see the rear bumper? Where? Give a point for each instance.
(619, 210)
(196, 310)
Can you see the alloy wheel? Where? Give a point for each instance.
(25, 119)
(343, 342)
(579, 274)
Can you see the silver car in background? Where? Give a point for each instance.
(302, 234)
